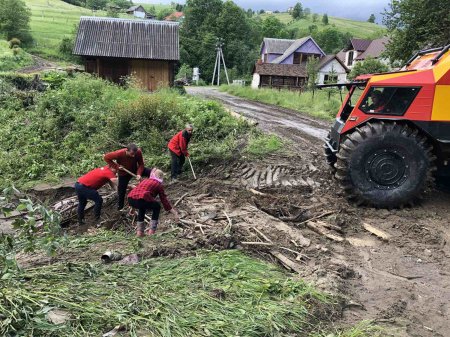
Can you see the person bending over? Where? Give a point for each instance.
(142, 197)
(87, 186)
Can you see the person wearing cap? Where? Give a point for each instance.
(86, 188)
(178, 148)
(131, 159)
(143, 198)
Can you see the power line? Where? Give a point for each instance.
(217, 65)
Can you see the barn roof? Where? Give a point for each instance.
(276, 46)
(139, 39)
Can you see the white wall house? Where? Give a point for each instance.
(331, 70)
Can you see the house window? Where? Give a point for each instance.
(297, 58)
(389, 100)
(330, 79)
(351, 56)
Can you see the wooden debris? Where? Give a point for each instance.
(295, 252)
(285, 261)
(329, 226)
(378, 232)
(227, 229)
(323, 231)
(316, 217)
(179, 200)
(262, 234)
(256, 243)
(257, 192)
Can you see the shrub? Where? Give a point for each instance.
(14, 42)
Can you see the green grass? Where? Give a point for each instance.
(358, 29)
(52, 20)
(211, 294)
(260, 144)
(317, 104)
(9, 61)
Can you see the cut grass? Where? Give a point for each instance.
(212, 294)
(358, 29)
(318, 104)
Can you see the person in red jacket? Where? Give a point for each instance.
(131, 159)
(87, 186)
(178, 149)
(143, 197)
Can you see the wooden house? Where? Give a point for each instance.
(283, 63)
(116, 48)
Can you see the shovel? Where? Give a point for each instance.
(189, 159)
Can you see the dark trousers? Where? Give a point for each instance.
(123, 184)
(143, 206)
(177, 163)
(84, 194)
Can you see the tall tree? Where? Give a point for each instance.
(15, 20)
(371, 18)
(325, 19)
(416, 24)
(273, 27)
(297, 12)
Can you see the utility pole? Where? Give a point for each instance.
(217, 65)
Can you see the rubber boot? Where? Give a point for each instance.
(153, 226)
(140, 228)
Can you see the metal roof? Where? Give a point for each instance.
(277, 46)
(327, 59)
(375, 48)
(294, 46)
(139, 39)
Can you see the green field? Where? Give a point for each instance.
(358, 29)
(9, 61)
(52, 20)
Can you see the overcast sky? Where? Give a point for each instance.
(352, 9)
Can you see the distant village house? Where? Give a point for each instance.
(116, 48)
(137, 11)
(283, 64)
(359, 49)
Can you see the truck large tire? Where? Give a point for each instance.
(385, 165)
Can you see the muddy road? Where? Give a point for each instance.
(284, 122)
(401, 282)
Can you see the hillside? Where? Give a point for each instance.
(12, 61)
(358, 29)
(51, 20)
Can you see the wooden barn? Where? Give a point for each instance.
(115, 48)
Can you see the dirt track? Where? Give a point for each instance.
(402, 283)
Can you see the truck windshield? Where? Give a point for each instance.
(353, 97)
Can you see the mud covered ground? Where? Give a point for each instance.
(286, 208)
(403, 282)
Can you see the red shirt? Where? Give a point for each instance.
(97, 177)
(134, 164)
(179, 143)
(148, 189)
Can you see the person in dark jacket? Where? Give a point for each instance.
(178, 148)
(131, 159)
(87, 186)
(143, 197)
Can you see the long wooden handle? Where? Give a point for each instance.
(124, 169)
(195, 177)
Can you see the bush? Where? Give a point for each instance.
(69, 128)
(14, 42)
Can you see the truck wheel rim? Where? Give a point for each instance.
(387, 169)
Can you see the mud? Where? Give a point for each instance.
(266, 208)
(404, 283)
